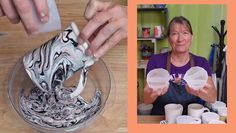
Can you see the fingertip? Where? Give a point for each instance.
(88, 14)
(43, 17)
(90, 9)
(95, 6)
(98, 55)
(15, 20)
(42, 10)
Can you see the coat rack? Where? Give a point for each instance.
(221, 46)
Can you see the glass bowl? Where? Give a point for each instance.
(98, 78)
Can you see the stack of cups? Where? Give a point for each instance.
(223, 114)
(172, 111)
(217, 105)
(220, 108)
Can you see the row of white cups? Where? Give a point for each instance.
(197, 114)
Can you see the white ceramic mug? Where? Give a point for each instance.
(209, 116)
(145, 109)
(222, 113)
(172, 111)
(185, 119)
(217, 105)
(195, 110)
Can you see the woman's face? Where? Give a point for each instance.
(180, 38)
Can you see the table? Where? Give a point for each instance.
(16, 43)
(150, 119)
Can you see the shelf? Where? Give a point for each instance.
(150, 38)
(152, 9)
(142, 64)
(153, 40)
(148, 16)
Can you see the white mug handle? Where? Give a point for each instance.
(206, 110)
(181, 108)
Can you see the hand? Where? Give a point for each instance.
(22, 10)
(207, 93)
(106, 27)
(150, 95)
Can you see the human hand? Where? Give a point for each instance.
(150, 95)
(207, 93)
(22, 10)
(106, 27)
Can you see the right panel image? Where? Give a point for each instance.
(181, 64)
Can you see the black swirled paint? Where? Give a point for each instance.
(49, 103)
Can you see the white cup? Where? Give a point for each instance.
(216, 105)
(216, 122)
(195, 110)
(223, 113)
(158, 78)
(185, 119)
(145, 109)
(209, 116)
(172, 111)
(196, 77)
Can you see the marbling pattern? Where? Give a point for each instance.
(49, 104)
(46, 110)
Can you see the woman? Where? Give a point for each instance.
(177, 62)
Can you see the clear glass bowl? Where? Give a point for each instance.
(98, 77)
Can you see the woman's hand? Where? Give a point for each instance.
(150, 95)
(22, 11)
(106, 27)
(208, 93)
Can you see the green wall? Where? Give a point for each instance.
(202, 17)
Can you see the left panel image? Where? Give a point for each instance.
(63, 66)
